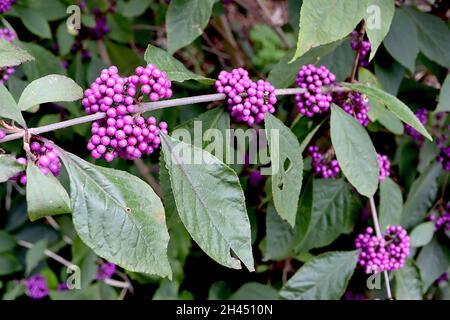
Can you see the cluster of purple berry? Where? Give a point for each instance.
(105, 271)
(322, 164)
(36, 287)
(383, 254)
(355, 104)
(5, 5)
(46, 158)
(101, 28)
(384, 167)
(248, 101)
(314, 100)
(422, 115)
(442, 219)
(121, 134)
(7, 35)
(444, 157)
(362, 46)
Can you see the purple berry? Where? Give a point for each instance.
(355, 104)
(105, 271)
(9, 36)
(36, 287)
(362, 46)
(324, 165)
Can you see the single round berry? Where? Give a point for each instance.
(314, 100)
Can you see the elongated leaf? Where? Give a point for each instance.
(35, 22)
(433, 261)
(210, 202)
(118, 216)
(12, 55)
(34, 255)
(176, 71)
(402, 41)
(255, 291)
(7, 241)
(444, 97)
(51, 88)
(309, 137)
(279, 236)
(9, 264)
(287, 167)
(421, 196)
(422, 234)
(325, 277)
(325, 21)
(408, 285)
(392, 103)
(334, 212)
(378, 17)
(434, 36)
(132, 8)
(354, 151)
(185, 21)
(9, 108)
(391, 203)
(45, 62)
(9, 167)
(45, 195)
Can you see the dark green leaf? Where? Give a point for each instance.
(217, 220)
(421, 196)
(255, 291)
(408, 285)
(279, 236)
(118, 216)
(12, 55)
(433, 261)
(444, 97)
(132, 8)
(45, 195)
(354, 151)
(9, 167)
(391, 203)
(378, 17)
(287, 167)
(64, 39)
(325, 277)
(176, 71)
(45, 62)
(35, 22)
(34, 255)
(422, 234)
(7, 241)
(9, 264)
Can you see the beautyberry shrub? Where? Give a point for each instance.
(323, 164)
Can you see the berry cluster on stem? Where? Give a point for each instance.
(36, 287)
(323, 164)
(9, 36)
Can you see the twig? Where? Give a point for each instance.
(48, 253)
(356, 61)
(379, 235)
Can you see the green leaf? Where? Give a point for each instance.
(325, 277)
(45, 195)
(408, 285)
(324, 21)
(45, 62)
(118, 216)
(354, 151)
(433, 261)
(9, 264)
(422, 234)
(393, 104)
(391, 75)
(12, 55)
(9, 108)
(421, 196)
(391, 203)
(444, 97)
(284, 73)
(117, 52)
(51, 88)
(7, 241)
(64, 39)
(9, 167)
(434, 36)
(378, 17)
(35, 22)
(185, 21)
(217, 220)
(255, 291)
(176, 71)
(340, 61)
(309, 137)
(334, 212)
(132, 8)
(34, 255)
(279, 236)
(287, 167)
(402, 41)
(427, 154)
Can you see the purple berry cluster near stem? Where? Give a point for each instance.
(323, 165)
(5, 5)
(422, 115)
(355, 104)
(9, 36)
(314, 100)
(248, 101)
(444, 158)
(36, 287)
(387, 253)
(105, 271)
(121, 134)
(442, 218)
(362, 46)
(45, 157)
(384, 167)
